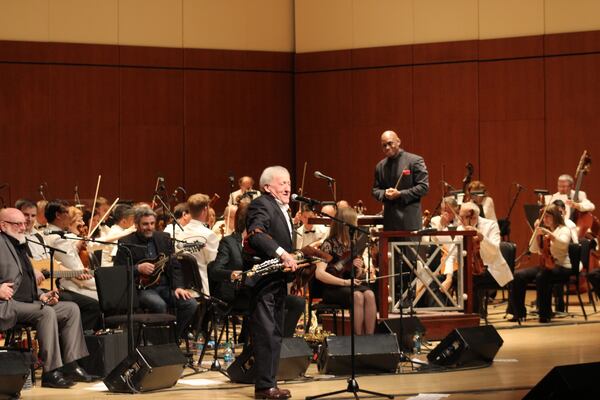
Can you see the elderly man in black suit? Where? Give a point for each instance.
(269, 226)
(58, 323)
(401, 179)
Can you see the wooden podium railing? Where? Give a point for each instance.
(385, 237)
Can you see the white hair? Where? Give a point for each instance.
(270, 173)
(470, 206)
(566, 177)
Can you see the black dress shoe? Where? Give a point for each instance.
(78, 374)
(544, 320)
(272, 393)
(56, 379)
(517, 319)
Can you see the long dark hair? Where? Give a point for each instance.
(340, 231)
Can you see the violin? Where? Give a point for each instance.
(478, 266)
(546, 259)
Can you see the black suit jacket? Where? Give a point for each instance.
(163, 244)
(267, 229)
(403, 213)
(229, 258)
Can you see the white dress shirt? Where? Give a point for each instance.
(559, 247)
(489, 250)
(196, 230)
(70, 260)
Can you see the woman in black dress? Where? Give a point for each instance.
(336, 275)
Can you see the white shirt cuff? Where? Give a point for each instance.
(279, 251)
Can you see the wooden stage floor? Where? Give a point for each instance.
(527, 355)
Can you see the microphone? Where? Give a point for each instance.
(320, 175)
(425, 231)
(306, 200)
(47, 232)
(519, 186)
(161, 184)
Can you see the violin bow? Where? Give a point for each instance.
(94, 204)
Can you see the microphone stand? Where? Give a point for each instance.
(505, 226)
(168, 211)
(52, 251)
(352, 382)
(130, 282)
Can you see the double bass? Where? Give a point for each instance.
(583, 220)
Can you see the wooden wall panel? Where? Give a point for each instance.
(573, 123)
(151, 144)
(323, 124)
(235, 123)
(83, 130)
(446, 125)
(24, 122)
(511, 104)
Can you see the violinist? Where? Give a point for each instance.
(335, 275)
(492, 267)
(81, 289)
(122, 226)
(552, 239)
(477, 193)
(101, 207)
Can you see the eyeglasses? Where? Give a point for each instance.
(16, 223)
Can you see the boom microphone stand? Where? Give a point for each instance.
(352, 382)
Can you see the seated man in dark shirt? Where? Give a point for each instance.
(148, 244)
(58, 323)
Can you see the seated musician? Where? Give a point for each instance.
(122, 217)
(181, 212)
(80, 289)
(41, 222)
(100, 209)
(565, 192)
(168, 289)
(196, 230)
(556, 238)
(57, 322)
(226, 225)
(335, 275)
(246, 184)
(490, 266)
(309, 234)
(477, 193)
(35, 251)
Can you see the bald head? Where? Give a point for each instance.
(12, 222)
(328, 210)
(390, 143)
(8, 214)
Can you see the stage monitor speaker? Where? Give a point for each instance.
(467, 347)
(293, 362)
(408, 325)
(577, 381)
(148, 368)
(14, 368)
(106, 351)
(373, 353)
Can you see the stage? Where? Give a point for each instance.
(528, 353)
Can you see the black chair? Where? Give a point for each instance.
(315, 303)
(13, 339)
(587, 247)
(509, 253)
(575, 251)
(111, 283)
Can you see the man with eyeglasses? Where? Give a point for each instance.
(56, 322)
